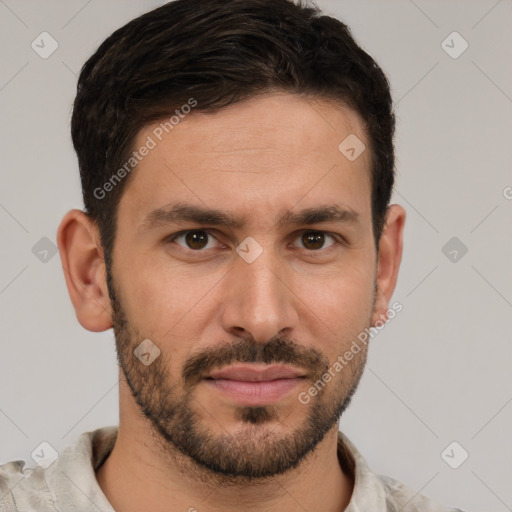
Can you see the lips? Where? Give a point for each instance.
(256, 373)
(255, 385)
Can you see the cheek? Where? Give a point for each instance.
(164, 302)
(338, 307)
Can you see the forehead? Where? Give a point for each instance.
(258, 156)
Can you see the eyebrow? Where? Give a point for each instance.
(181, 212)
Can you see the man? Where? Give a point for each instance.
(237, 165)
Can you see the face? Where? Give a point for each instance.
(246, 307)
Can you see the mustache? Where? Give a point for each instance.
(278, 350)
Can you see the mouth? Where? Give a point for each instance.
(255, 385)
(256, 373)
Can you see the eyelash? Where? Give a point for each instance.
(337, 238)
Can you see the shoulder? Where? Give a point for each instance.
(373, 491)
(400, 497)
(68, 482)
(24, 488)
(10, 475)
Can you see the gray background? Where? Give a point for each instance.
(439, 372)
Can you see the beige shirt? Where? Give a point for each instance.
(69, 483)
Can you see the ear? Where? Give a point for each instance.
(390, 256)
(84, 270)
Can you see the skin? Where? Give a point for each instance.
(256, 159)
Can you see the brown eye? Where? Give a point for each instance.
(315, 240)
(195, 240)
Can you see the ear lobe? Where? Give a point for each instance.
(390, 256)
(84, 270)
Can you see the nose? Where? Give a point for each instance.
(259, 301)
